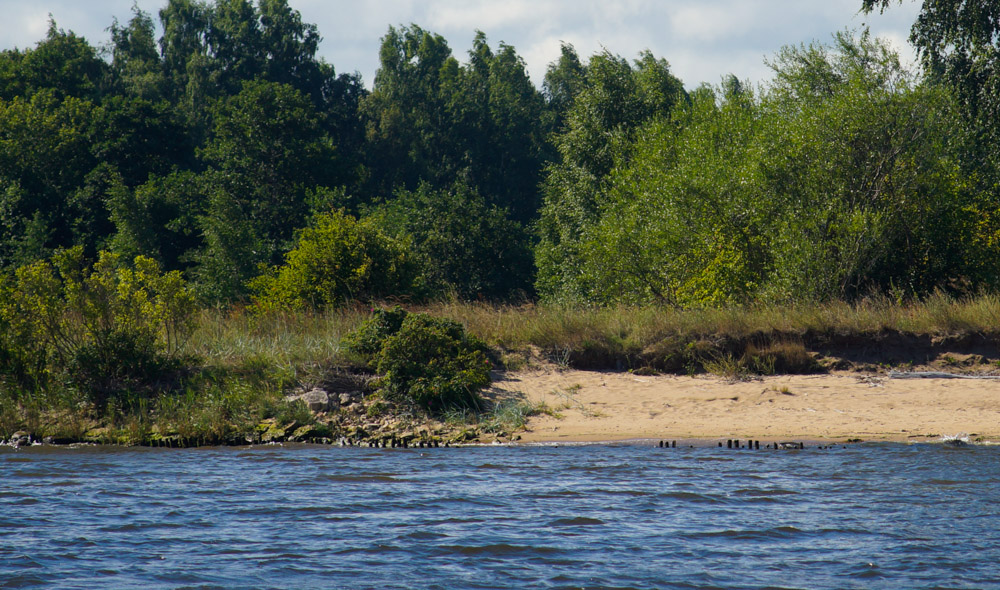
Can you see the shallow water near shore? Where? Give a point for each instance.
(607, 516)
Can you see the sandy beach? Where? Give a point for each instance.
(600, 406)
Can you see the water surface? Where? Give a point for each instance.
(608, 516)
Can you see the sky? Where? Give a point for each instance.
(703, 40)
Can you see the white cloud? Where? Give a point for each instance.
(711, 23)
(702, 40)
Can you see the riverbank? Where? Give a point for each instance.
(561, 405)
(560, 374)
(839, 406)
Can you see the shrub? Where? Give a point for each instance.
(368, 338)
(428, 361)
(337, 259)
(108, 328)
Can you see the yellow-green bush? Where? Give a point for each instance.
(337, 259)
(108, 327)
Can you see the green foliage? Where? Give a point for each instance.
(135, 61)
(958, 42)
(616, 99)
(266, 151)
(108, 328)
(431, 120)
(62, 63)
(841, 179)
(367, 339)
(157, 219)
(564, 80)
(141, 138)
(465, 246)
(336, 260)
(210, 148)
(45, 152)
(428, 361)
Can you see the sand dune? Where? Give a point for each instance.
(597, 406)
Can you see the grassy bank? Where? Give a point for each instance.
(793, 338)
(240, 368)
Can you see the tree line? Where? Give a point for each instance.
(228, 151)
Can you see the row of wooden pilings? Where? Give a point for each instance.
(735, 443)
(393, 443)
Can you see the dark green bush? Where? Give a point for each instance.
(367, 340)
(121, 361)
(428, 361)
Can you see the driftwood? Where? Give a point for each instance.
(935, 375)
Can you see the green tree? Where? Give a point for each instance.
(62, 63)
(959, 43)
(266, 151)
(141, 138)
(135, 68)
(497, 118)
(185, 26)
(159, 219)
(431, 120)
(210, 50)
(616, 100)
(406, 117)
(564, 80)
(843, 178)
(463, 244)
(45, 153)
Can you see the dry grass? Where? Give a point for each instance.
(608, 337)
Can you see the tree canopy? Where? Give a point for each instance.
(959, 43)
(228, 151)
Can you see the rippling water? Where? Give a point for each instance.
(618, 516)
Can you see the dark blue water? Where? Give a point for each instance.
(630, 516)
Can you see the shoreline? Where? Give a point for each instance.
(589, 406)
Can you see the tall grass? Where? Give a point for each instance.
(231, 337)
(294, 340)
(638, 327)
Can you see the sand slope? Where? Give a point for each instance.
(596, 406)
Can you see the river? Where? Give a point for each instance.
(590, 516)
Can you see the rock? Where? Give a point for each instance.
(346, 399)
(272, 431)
(316, 399)
(466, 435)
(308, 432)
(96, 435)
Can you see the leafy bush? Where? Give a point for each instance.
(424, 360)
(108, 328)
(368, 338)
(337, 259)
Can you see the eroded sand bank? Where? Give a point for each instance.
(596, 406)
